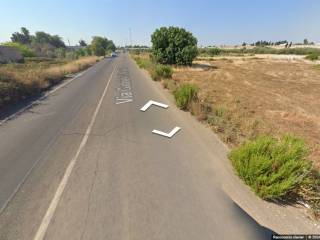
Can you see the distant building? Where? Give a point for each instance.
(10, 54)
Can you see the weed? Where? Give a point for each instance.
(185, 94)
(161, 71)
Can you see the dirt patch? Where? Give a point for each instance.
(259, 96)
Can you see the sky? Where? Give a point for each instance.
(212, 22)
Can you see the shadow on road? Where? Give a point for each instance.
(259, 232)
(14, 108)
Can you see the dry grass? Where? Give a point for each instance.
(18, 81)
(250, 97)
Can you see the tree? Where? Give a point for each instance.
(46, 38)
(111, 46)
(100, 45)
(23, 37)
(82, 43)
(305, 41)
(174, 45)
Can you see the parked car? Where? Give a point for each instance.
(113, 54)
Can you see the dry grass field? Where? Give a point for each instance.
(18, 81)
(247, 97)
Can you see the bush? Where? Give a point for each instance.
(312, 56)
(184, 95)
(161, 71)
(272, 168)
(23, 49)
(214, 51)
(173, 45)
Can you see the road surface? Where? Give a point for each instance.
(84, 164)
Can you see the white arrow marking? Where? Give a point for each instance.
(169, 135)
(148, 104)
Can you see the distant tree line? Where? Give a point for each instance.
(40, 37)
(137, 46)
(262, 43)
(46, 45)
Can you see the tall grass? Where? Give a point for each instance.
(161, 71)
(157, 71)
(18, 81)
(184, 95)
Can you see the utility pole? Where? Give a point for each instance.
(130, 36)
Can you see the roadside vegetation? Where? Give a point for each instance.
(275, 147)
(19, 81)
(185, 95)
(46, 60)
(313, 56)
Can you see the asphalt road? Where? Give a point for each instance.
(84, 164)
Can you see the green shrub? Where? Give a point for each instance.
(312, 56)
(173, 45)
(214, 51)
(161, 71)
(184, 95)
(23, 49)
(272, 168)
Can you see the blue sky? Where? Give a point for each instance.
(212, 22)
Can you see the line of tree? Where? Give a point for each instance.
(47, 45)
(277, 43)
(137, 46)
(40, 37)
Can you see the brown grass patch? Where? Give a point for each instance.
(262, 96)
(18, 81)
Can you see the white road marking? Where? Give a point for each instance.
(57, 196)
(169, 135)
(43, 97)
(123, 101)
(148, 104)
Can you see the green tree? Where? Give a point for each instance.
(23, 37)
(173, 45)
(82, 43)
(100, 45)
(46, 38)
(305, 41)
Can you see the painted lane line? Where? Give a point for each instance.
(148, 104)
(67, 82)
(169, 135)
(58, 194)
